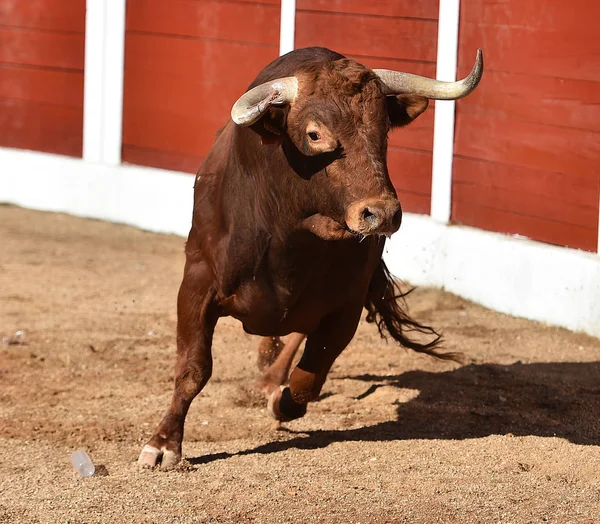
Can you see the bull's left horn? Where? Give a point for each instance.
(252, 104)
(396, 83)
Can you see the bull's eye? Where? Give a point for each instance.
(314, 136)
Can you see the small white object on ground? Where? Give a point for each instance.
(82, 463)
(17, 339)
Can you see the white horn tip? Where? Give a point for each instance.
(479, 58)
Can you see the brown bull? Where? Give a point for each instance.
(292, 207)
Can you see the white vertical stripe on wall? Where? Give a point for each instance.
(287, 26)
(114, 56)
(443, 127)
(103, 83)
(93, 88)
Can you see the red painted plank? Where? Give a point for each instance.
(42, 127)
(385, 8)
(30, 47)
(575, 16)
(179, 92)
(207, 60)
(258, 23)
(58, 15)
(557, 188)
(268, 2)
(538, 229)
(368, 36)
(410, 170)
(41, 85)
(414, 202)
(537, 146)
(511, 200)
(544, 51)
(554, 101)
(161, 159)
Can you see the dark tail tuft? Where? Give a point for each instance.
(385, 304)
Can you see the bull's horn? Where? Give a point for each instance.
(396, 83)
(252, 104)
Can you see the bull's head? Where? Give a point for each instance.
(337, 115)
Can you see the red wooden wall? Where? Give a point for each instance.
(41, 75)
(186, 62)
(389, 34)
(527, 156)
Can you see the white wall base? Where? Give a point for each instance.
(509, 274)
(153, 199)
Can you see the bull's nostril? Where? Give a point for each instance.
(397, 219)
(368, 215)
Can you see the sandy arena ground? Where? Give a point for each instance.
(512, 436)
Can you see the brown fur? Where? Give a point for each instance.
(270, 243)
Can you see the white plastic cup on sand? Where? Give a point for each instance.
(82, 463)
(17, 339)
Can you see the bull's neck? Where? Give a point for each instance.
(263, 173)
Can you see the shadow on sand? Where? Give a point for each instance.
(546, 400)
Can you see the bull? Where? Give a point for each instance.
(292, 207)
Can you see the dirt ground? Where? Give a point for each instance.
(511, 436)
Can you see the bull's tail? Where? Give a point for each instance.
(386, 307)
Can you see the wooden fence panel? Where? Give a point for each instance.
(527, 154)
(42, 46)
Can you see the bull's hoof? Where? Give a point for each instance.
(269, 385)
(281, 405)
(151, 457)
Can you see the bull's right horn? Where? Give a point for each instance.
(396, 83)
(252, 104)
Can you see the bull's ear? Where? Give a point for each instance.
(403, 109)
(272, 125)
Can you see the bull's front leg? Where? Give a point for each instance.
(322, 348)
(196, 320)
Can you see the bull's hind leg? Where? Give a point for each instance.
(268, 351)
(196, 321)
(322, 348)
(278, 372)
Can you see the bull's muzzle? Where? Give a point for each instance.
(375, 216)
